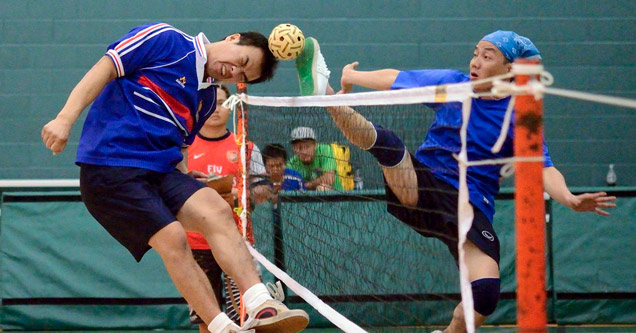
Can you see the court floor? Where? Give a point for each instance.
(487, 329)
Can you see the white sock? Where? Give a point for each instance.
(255, 296)
(219, 323)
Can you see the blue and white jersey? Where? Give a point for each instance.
(155, 106)
(443, 140)
(292, 181)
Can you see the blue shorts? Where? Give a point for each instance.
(133, 204)
(436, 214)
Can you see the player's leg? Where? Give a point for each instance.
(313, 78)
(213, 272)
(207, 213)
(172, 246)
(387, 148)
(484, 277)
(129, 205)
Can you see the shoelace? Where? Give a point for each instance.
(276, 290)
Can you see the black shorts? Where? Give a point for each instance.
(208, 264)
(436, 214)
(133, 204)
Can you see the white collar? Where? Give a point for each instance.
(202, 58)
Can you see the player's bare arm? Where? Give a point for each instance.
(555, 186)
(381, 79)
(55, 133)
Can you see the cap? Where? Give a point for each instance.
(302, 133)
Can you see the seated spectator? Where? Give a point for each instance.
(313, 160)
(281, 178)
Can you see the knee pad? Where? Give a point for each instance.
(388, 149)
(486, 295)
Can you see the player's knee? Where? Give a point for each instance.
(171, 242)
(388, 149)
(486, 295)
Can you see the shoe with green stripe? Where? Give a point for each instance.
(313, 74)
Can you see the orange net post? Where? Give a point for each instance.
(243, 162)
(529, 207)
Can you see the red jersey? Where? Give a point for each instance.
(220, 156)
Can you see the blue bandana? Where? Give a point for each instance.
(512, 45)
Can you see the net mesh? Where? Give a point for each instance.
(343, 245)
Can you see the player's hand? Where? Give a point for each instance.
(55, 134)
(346, 83)
(593, 202)
(198, 175)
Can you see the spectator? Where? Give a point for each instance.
(280, 177)
(313, 160)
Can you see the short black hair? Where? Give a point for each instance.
(256, 39)
(275, 150)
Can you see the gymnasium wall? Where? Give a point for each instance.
(60, 270)
(47, 46)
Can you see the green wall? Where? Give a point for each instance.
(60, 270)
(46, 47)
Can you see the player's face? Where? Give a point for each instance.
(275, 166)
(487, 62)
(233, 63)
(305, 150)
(218, 119)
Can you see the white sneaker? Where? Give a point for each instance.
(274, 317)
(313, 74)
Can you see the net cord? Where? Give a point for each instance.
(465, 220)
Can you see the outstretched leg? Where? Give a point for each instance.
(388, 149)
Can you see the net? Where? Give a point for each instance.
(335, 243)
(342, 248)
(342, 245)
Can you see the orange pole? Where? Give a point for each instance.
(241, 133)
(530, 210)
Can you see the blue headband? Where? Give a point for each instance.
(512, 45)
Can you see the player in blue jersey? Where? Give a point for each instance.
(151, 93)
(422, 189)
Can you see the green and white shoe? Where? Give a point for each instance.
(313, 74)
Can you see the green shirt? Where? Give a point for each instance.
(323, 161)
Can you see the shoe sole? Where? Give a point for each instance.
(291, 321)
(307, 87)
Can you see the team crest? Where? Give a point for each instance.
(182, 81)
(232, 156)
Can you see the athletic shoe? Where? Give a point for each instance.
(274, 317)
(313, 74)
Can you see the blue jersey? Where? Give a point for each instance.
(443, 140)
(155, 106)
(292, 181)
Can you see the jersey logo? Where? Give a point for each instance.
(181, 81)
(197, 156)
(488, 235)
(232, 156)
(215, 169)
